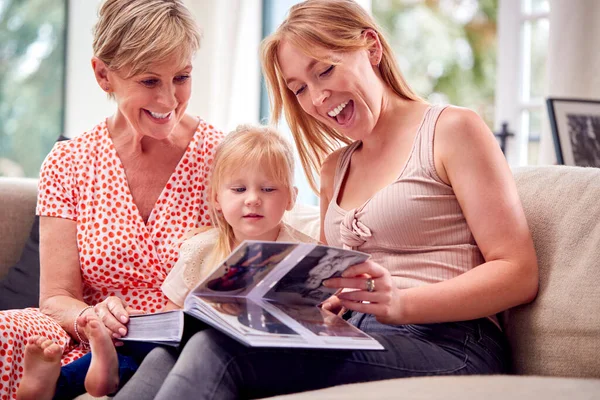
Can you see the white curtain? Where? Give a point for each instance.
(573, 57)
(226, 77)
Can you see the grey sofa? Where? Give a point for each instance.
(555, 339)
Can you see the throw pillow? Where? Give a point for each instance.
(20, 288)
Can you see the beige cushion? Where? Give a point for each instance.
(461, 388)
(17, 209)
(304, 218)
(559, 333)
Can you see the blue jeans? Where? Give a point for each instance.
(71, 380)
(214, 366)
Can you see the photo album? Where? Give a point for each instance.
(265, 294)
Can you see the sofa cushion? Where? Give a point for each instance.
(461, 388)
(17, 210)
(559, 333)
(20, 287)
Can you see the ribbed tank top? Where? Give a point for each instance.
(414, 227)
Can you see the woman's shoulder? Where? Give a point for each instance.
(333, 159)
(78, 147)
(208, 130)
(460, 121)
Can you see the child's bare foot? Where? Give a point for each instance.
(103, 376)
(41, 369)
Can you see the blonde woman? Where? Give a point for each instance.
(424, 189)
(115, 201)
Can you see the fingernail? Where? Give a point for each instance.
(119, 344)
(123, 319)
(345, 274)
(325, 283)
(123, 331)
(116, 335)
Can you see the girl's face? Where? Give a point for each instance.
(347, 96)
(253, 203)
(151, 103)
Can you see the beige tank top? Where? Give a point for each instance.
(414, 227)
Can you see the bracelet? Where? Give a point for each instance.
(83, 342)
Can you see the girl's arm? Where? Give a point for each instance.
(467, 157)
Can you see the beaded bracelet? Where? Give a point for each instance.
(83, 342)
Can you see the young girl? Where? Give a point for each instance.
(251, 188)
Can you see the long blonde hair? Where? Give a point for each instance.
(248, 145)
(336, 25)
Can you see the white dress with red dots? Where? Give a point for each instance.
(83, 180)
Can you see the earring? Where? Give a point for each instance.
(106, 88)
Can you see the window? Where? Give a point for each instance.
(32, 60)
(522, 75)
(446, 49)
(487, 55)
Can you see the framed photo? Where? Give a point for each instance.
(576, 131)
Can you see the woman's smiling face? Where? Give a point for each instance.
(154, 102)
(345, 94)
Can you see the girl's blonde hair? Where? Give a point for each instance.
(248, 146)
(139, 33)
(313, 25)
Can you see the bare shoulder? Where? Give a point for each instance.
(328, 171)
(461, 135)
(458, 122)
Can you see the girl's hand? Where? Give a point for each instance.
(383, 301)
(114, 314)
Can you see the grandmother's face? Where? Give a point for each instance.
(154, 102)
(345, 94)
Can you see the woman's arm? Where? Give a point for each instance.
(327, 176)
(61, 295)
(468, 157)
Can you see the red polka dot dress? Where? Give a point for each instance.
(82, 179)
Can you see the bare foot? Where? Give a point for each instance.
(103, 376)
(41, 369)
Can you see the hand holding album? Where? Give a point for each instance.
(266, 294)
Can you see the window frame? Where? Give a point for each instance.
(513, 104)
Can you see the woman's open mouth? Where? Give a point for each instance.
(343, 113)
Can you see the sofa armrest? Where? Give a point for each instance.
(18, 198)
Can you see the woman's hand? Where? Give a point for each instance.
(332, 304)
(383, 301)
(114, 314)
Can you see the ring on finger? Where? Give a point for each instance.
(370, 285)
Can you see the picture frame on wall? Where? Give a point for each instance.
(575, 125)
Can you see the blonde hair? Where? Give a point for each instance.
(336, 25)
(138, 33)
(246, 146)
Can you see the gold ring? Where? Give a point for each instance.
(370, 285)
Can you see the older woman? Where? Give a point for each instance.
(115, 200)
(424, 189)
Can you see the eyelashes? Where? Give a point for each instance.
(150, 83)
(323, 74)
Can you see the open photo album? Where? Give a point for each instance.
(265, 294)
